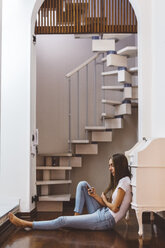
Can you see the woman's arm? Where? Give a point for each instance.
(92, 192)
(115, 206)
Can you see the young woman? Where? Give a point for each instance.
(103, 213)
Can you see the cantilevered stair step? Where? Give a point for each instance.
(124, 77)
(111, 102)
(103, 45)
(53, 168)
(116, 60)
(107, 116)
(55, 154)
(114, 87)
(115, 123)
(50, 182)
(108, 73)
(133, 70)
(134, 92)
(65, 197)
(86, 149)
(123, 109)
(80, 141)
(129, 51)
(75, 161)
(95, 128)
(102, 136)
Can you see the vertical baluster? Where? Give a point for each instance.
(98, 17)
(53, 18)
(94, 16)
(42, 19)
(71, 16)
(116, 15)
(56, 16)
(103, 9)
(101, 17)
(110, 30)
(68, 16)
(113, 16)
(62, 17)
(95, 94)
(47, 16)
(83, 16)
(80, 16)
(106, 16)
(122, 16)
(78, 107)
(50, 16)
(89, 16)
(118, 6)
(127, 16)
(65, 17)
(103, 93)
(130, 10)
(70, 120)
(86, 100)
(59, 23)
(77, 16)
(86, 19)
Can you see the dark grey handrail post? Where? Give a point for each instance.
(78, 106)
(69, 141)
(103, 93)
(95, 94)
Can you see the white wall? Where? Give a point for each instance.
(158, 53)
(15, 101)
(0, 64)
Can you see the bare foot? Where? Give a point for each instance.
(18, 222)
(75, 214)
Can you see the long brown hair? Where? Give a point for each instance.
(120, 163)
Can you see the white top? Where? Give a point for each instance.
(125, 184)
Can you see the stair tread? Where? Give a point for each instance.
(107, 73)
(130, 51)
(80, 141)
(107, 116)
(114, 87)
(95, 128)
(53, 168)
(64, 197)
(46, 182)
(55, 154)
(111, 102)
(133, 69)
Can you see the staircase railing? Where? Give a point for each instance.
(85, 16)
(69, 77)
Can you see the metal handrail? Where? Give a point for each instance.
(78, 68)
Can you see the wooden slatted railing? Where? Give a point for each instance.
(85, 16)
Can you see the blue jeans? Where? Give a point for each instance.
(98, 217)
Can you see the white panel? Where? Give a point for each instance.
(103, 45)
(124, 77)
(116, 60)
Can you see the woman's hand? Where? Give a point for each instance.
(91, 191)
(104, 198)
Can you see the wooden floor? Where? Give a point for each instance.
(124, 236)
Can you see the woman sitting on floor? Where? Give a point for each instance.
(102, 213)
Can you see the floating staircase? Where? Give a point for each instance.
(54, 169)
